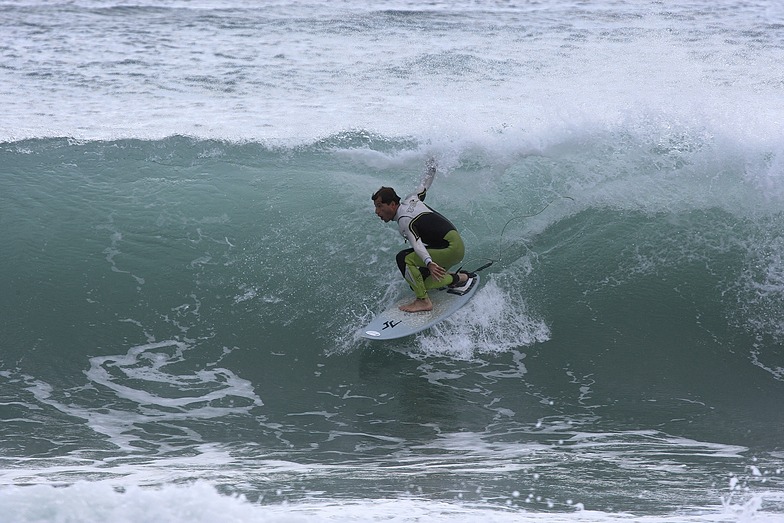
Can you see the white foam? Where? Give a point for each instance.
(143, 386)
(502, 67)
(200, 502)
(495, 320)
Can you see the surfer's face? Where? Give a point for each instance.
(385, 211)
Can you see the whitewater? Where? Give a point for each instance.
(188, 248)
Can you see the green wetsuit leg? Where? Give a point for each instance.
(446, 258)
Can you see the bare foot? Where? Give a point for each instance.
(418, 305)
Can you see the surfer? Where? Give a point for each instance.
(435, 243)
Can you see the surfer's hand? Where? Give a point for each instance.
(436, 270)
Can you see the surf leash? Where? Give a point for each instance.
(491, 261)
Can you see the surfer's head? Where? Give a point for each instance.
(386, 194)
(386, 202)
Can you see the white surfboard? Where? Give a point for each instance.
(394, 323)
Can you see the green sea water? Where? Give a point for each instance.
(191, 307)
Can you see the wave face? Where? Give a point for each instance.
(189, 248)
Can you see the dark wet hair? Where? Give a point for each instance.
(387, 195)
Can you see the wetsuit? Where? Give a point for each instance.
(432, 238)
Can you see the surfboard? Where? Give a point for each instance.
(394, 323)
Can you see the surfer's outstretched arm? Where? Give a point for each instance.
(427, 178)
